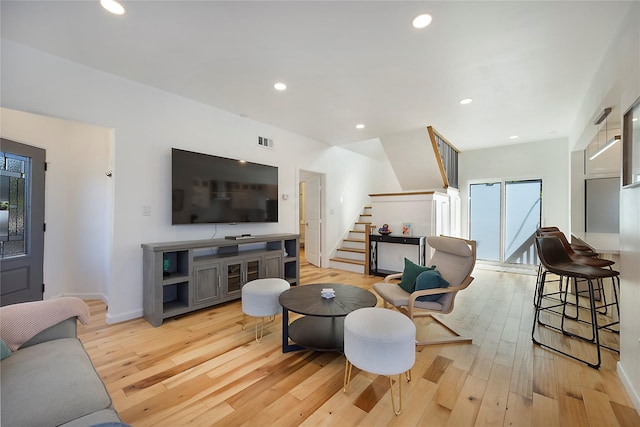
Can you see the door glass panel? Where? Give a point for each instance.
(234, 280)
(253, 270)
(485, 220)
(14, 171)
(522, 219)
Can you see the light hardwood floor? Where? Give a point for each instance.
(204, 370)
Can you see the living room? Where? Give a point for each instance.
(92, 123)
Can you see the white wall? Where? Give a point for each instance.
(617, 84)
(77, 200)
(428, 214)
(146, 123)
(546, 160)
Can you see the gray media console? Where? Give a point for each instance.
(180, 277)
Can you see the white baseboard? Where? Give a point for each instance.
(628, 386)
(124, 316)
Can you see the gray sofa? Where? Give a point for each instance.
(50, 381)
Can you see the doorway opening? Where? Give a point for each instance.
(311, 197)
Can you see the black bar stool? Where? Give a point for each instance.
(582, 259)
(581, 249)
(555, 259)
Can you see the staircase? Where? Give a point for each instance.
(351, 255)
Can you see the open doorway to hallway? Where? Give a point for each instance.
(311, 192)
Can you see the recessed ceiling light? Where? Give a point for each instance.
(635, 119)
(466, 101)
(513, 137)
(421, 21)
(112, 6)
(360, 126)
(280, 86)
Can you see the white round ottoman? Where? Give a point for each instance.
(260, 299)
(380, 341)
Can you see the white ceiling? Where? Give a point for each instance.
(526, 65)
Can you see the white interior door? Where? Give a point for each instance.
(313, 224)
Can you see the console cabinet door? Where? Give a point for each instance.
(206, 284)
(273, 265)
(233, 277)
(239, 272)
(253, 268)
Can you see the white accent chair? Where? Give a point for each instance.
(455, 259)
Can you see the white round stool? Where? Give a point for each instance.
(260, 299)
(380, 341)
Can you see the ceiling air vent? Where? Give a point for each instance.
(265, 142)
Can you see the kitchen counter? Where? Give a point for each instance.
(602, 243)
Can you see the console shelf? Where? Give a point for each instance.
(181, 277)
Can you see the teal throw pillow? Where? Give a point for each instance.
(410, 273)
(430, 280)
(5, 350)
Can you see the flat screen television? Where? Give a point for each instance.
(212, 189)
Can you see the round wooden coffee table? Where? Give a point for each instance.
(322, 327)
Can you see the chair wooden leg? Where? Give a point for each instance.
(244, 321)
(457, 338)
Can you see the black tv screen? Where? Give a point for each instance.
(212, 189)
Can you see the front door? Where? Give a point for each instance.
(22, 170)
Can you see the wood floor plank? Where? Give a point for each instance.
(203, 369)
(450, 387)
(566, 373)
(505, 352)
(482, 367)
(371, 395)
(613, 388)
(154, 410)
(625, 415)
(435, 415)
(519, 411)
(437, 369)
(467, 405)
(599, 409)
(340, 406)
(544, 377)
(572, 412)
(546, 411)
(328, 365)
(494, 403)
(419, 395)
(522, 375)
